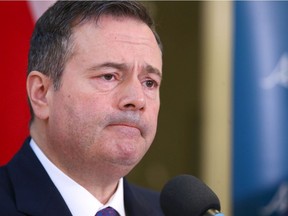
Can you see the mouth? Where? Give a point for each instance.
(129, 129)
(126, 125)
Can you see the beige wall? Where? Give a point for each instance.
(216, 89)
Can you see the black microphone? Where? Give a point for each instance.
(186, 195)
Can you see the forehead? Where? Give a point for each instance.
(116, 36)
(116, 28)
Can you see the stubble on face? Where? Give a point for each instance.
(88, 130)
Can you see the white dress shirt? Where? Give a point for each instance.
(79, 201)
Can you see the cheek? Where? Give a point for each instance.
(82, 104)
(75, 125)
(153, 119)
(68, 111)
(155, 110)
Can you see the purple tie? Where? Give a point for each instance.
(107, 212)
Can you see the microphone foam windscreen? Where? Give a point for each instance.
(186, 195)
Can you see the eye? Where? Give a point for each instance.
(151, 84)
(108, 77)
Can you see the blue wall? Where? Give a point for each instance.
(260, 109)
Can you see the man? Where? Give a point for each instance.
(93, 83)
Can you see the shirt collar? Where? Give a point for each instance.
(79, 201)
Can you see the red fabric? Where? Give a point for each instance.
(16, 26)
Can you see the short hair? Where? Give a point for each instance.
(51, 44)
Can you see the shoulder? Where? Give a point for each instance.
(144, 192)
(7, 196)
(145, 200)
(5, 184)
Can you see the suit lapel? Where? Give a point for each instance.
(35, 193)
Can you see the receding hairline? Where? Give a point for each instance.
(72, 40)
(97, 19)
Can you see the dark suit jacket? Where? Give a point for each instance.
(26, 189)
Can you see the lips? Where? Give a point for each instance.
(128, 129)
(130, 125)
(125, 122)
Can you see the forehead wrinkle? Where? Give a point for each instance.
(131, 39)
(148, 40)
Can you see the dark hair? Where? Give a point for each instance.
(51, 44)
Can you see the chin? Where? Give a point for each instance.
(129, 158)
(126, 152)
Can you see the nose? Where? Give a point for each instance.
(132, 96)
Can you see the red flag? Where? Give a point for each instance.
(16, 22)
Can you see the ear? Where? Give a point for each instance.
(38, 86)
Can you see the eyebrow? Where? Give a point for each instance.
(124, 67)
(153, 70)
(118, 66)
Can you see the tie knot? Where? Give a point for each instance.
(107, 212)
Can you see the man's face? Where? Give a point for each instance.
(107, 106)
